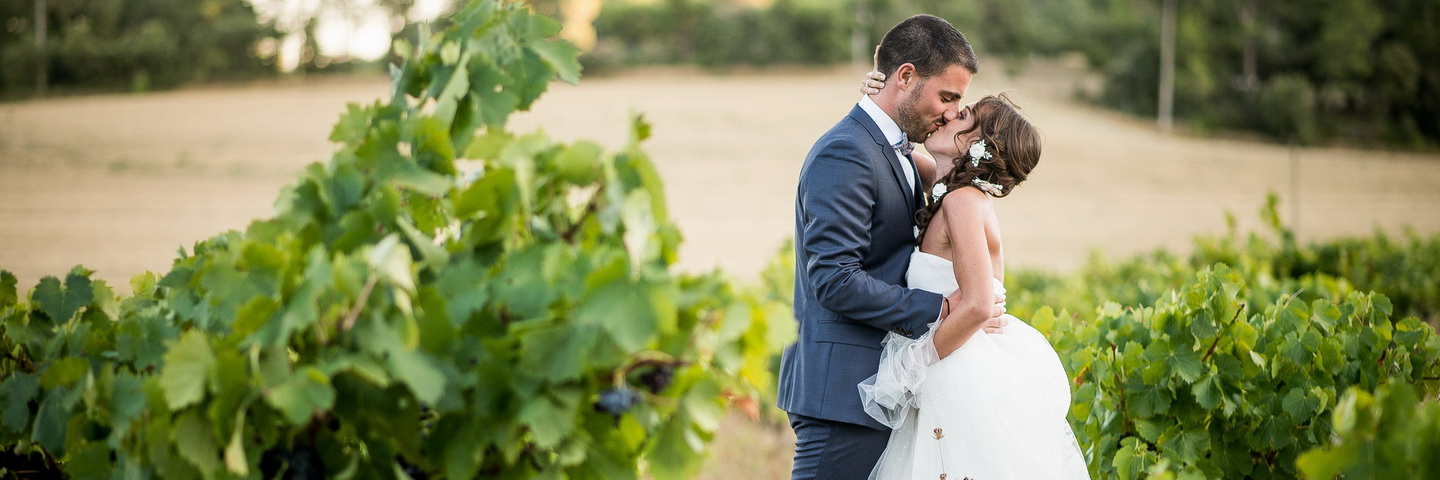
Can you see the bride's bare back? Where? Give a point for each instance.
(967, 233)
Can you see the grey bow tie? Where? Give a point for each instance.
(904, 146)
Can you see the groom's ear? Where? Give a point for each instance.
(905, 76)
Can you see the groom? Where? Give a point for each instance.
(854, 223)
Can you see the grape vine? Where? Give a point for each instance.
(443, 298)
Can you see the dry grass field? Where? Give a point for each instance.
(118, 183)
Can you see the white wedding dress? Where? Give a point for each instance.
(994, 409)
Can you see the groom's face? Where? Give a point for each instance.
(933, 101)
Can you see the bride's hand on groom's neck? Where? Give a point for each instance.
(873, 82)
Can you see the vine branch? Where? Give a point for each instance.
(349, 320)
(1211, 351)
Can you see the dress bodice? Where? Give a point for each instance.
(933, 273)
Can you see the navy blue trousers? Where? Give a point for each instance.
(826, 449)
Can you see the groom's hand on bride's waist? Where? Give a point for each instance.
(998, 319)
(996, 324)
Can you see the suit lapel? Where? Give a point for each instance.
(887, 153)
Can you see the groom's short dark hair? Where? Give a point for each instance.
(928, 42)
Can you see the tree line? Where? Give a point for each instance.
(130, 44)
(1302, 72)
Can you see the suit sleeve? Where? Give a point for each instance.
(838, 195)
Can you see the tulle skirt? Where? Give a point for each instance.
(994, 409)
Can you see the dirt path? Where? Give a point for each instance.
(120, 182)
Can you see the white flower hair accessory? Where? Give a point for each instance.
(938, 191)
(977, 153)
(987, 187)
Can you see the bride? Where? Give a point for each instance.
(964, 403)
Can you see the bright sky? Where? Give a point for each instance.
(362, 31)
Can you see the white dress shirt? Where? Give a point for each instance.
(893, 135)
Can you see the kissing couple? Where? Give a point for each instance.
(907, 365)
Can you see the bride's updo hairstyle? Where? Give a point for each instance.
(1014, 147)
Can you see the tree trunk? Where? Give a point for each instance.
(42, 67)
(1166, 115)
(1249, 73)
(861, 51)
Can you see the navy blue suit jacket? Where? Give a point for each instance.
(854, 231)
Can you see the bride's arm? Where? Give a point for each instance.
(966, 211)
(926, 167)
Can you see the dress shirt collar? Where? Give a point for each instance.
(887, 125)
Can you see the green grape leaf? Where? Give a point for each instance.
(141, 339)
(1189, 444)
(548, 420)
(525, 285)
(418, 372)
(353, 124)
(88, 460)
(494, 103)
(1271, 434)
(8, 296)
(254, 316)
(559, 353)
(1149, 401)
(1128, 461)
(187, 370)
(1328, 463)
(561, 56)
(1207, 392)
(623, 310)
(304, 393)
(195, 440)
(64, 372)
(1165, 360)
(127, 403)
(448, 98)
(16, 392)
(1299, 405)
(676, 447)
(51, 420)
(639, 128)
(1203, 324)
(432, 148)
(579, 163)
(391, 259)
(61, 303)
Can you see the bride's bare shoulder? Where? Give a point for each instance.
(967, 198)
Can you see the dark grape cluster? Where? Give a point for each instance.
(300, 463)
(656, 379)
(616, 401)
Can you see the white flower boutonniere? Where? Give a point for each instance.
(938, 191)
(977, 153)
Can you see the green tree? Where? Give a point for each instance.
(136, 44)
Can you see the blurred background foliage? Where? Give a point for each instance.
(1319, 71)
(1305, 72)
(127, 44)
